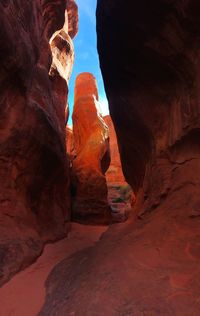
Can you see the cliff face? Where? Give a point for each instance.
(34, 197)
(90, 135)
(149, 55)
(150, 265)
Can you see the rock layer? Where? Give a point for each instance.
(90, 135)
(34, 177)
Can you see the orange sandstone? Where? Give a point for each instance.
(92, 154)
(114, 172)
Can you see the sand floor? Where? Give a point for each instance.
(24, 294)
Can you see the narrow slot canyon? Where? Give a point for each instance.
(99, 212)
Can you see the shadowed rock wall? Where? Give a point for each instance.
(149, 53)
(34, 177)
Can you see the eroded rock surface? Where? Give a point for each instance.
(151, 81)
(120, 194)
(70, 144)
(150, 57)
(114, 173)
(34, 177)
(91, 145)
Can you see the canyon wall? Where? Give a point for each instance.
(149, 55)
(34, 176)
(150, 59)
(150, 265)
(91, 146)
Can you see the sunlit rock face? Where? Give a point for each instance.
(70, 144)
(150, 59)
(62, 45)
(120, 195)
(114, 173)
(91, 145)
(34, 177)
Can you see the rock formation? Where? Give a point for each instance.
(120, 195)
(34, 197)
(114, 173)
(154, 100)
(92, 154)
(150, 57)
(70, 144)
(149, 265)
(162, 90)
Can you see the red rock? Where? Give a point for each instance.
(150, 265)
(70, 143)
(114, 173)
(153, 109)
(92, 154)
(34, 176)
(72, 11)
(150, 56)
(120, 195)
(61, 44)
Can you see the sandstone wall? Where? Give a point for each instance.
(34, 177)
(150, 265)
(149, 55)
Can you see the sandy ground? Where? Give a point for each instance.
(24, 294)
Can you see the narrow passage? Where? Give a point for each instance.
(25, 293)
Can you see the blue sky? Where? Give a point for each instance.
(86, 56)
